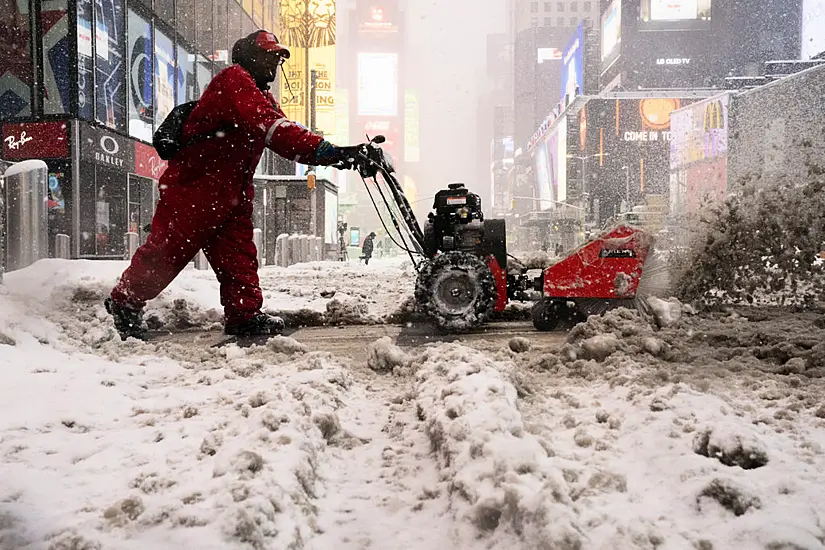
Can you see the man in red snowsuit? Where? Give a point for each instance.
(206, 193)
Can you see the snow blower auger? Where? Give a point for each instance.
(462, 263)
(602, 274)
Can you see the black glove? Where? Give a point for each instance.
(344, 158)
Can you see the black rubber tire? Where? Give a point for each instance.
(434, 290)
(546, 314)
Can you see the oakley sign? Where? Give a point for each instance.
(106, 148)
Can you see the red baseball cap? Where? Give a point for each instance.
(269, 42)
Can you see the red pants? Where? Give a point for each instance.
(192, 216)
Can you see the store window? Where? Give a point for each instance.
(247, 26)
(187, 88)
(141, 95)
(59, 205)
(165, 10)
(236, 17)
(164, 76)
(85, 64)
(54, 22)
(110, 64)
(204, 31)
(186, 19)
(17, 73)
(103, 216)
(204, 70)
(140, 207)
(220, 53)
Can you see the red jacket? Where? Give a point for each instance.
(246, 121)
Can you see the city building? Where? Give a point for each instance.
(87, 102)
(657, 44)
(556, 13)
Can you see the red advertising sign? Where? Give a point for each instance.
(35, 140)
(147, 162)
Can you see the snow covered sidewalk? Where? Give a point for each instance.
(707, 434)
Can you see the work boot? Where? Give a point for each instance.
(261, 324)
(128, 321)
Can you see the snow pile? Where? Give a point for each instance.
(760, 247)
(384, 356)
(503, 481)
(667, 313)
(158, 456)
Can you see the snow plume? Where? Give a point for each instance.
(760, 247)
(503, 481)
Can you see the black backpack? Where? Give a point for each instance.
(168, 138)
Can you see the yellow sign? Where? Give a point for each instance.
(308, 29)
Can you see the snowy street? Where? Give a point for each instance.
(706, 434)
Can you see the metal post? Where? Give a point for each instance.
(131, 241)
(313, 94)
(258, 239)
(62, 246)
(2, 227)
(26, 196)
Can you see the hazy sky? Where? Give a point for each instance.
(446, 57)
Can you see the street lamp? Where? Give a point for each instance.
(626, 187)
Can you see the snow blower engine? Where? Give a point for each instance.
(462, 259)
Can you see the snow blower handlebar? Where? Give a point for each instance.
(370, 160)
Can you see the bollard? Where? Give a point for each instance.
(319, 249)
(131, 241)
(281, 250)
(27, 238)
(294, 250)
(258, 239)
(62, 246)
(305, 249)
(201, 262)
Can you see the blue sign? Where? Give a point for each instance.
(572, 74)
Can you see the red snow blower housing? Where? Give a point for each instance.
(603, 273)
(463, 272)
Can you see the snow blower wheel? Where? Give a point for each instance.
(547, 314)
(456, 290)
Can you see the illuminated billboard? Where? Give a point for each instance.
(698, 154)
(572, 73)
(378, 84)
(664, 14)
(308, 28)
(611, 31)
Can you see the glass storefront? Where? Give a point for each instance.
(141, 113)
(59, 205)
(115, 68)
(54, 23)
(85, 63)
(102, 211)
(110, 66)
(164, 76)
(17, 73)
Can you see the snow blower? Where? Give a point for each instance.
(462, 261)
